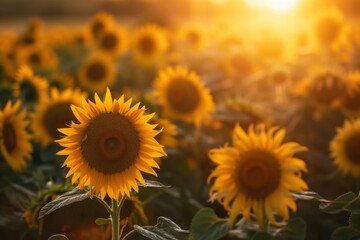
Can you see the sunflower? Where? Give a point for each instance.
(345, 148)
(110, 146)
(101, 22)
(257, 174)
(113, 41)
(54, 113)
(194, 37)
(350, 103)
(168, 134)
(329, 26)
(29, 87)
(325, 87)
(97, 73)
(15, 143)
(32, 36)
(149, 42)
(182, 95)
(38, 58)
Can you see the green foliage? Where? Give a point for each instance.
(262, 236)
(58, 237)
(152, 184)
(102, 221)
(346, 202)
(75, 195)
(294, 230)
(165, 229)
(206, 225)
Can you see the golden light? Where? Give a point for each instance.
(273, 5)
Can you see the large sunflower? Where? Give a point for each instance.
(257, 174)
(30, 88)
(15, 143)
(113, 42)
(345, 148)
(182, 95)
(97, 73)
(54, 113)
(110, 146)
(149, 42)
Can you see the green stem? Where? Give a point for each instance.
(265, 222)
(115, 219)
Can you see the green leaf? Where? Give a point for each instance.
(262, 236)
(338, 204)
(58, 237)
(153, 184)
(102, 221)
(307, 195)
(206, 225)
(354, 221)
(75, 195)
(294, 230)
(165, 229)
(354, 206)
(345, 233)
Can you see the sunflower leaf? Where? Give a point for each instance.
(294, 230)
(206, 225)
(75, 195)
(339, 204)
(102, 221)
(165, 229)
(58, 237)
(354, 221)
(307, 195)
(345, 233)
(262, 236)
(153, 184)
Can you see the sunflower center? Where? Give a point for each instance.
(111, 144)
(147, 44)
(182, 96)
(28, 91)
(96, 72)
(9, 137)
(98, 27)
(28, 39)
(35, 58)
(352, 149)
(109, 42)
(258, 175)
(57, 116)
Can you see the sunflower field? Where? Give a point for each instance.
(180, 120)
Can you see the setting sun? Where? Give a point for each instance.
(273, 5)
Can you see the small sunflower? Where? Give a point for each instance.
(54, 113)
(329, 26)
(149, 42)
(345, 148)
(15, 143)
(101, 22)
(97, 73)
(194, 37)
(38, 58)
(113, 42)
(110, 146)
(350, 103)
(257, 174)
(30, 88)
(183, 96)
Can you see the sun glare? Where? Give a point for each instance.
(273, 5)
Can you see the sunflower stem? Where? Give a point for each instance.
(115, 217)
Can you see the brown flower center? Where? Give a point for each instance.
(35, 58)
(147, 44)
(182, 95)
(57, 116)
(109, 42)
(96, 71)
(28, 39)
(352, 149)
(111, 144)
(9, 137)
(258, 175)
(97, 27)
(28, 91)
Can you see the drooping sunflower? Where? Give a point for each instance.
(97, 73)
(30, 88)
(110, 146)
(183, 96)
(329, 26)
(15, 143)
(113, 41)
(100, 23)
(345, 148)
(54, 113)
(256, 175)
(350, 103)
(149, 43)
